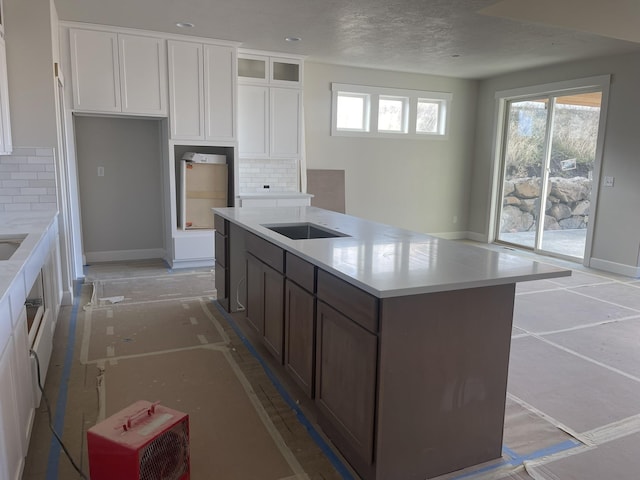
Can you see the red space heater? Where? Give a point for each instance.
(145, 441)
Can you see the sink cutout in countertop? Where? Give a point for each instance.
(9, 244)
(304, 231)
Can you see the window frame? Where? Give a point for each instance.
(410, 98)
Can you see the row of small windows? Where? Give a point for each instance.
(377, 111)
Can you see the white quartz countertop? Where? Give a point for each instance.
(387, 261)
(35, 226)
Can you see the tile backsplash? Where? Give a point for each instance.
(28, 180)
(280, 175)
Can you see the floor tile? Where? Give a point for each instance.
(561, 309)
(535, 286)
(574, 391)
(579, 278)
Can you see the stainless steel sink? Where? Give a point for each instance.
(304, 231)
(9, 244)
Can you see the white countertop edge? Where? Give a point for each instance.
(546, 270)
(275, 195)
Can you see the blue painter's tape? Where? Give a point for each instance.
(313, 433)
(61, 403)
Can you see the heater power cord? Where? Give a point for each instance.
(55, 434)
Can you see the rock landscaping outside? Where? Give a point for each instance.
(567, 206)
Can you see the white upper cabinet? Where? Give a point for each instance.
(202, 91)
(269, 106)
(186, 90)
(285, 122)
(143, 74)
(6, 146)
(253, 119)
(118, 73)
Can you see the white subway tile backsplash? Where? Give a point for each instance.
(27, 180)
(280, 175)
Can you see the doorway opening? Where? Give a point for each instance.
(549, 171)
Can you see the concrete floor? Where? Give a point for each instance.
(573, 406)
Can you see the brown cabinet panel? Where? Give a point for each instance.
(220, 246)
(266, 251)
(299, 320)
(273, 311)
(356, 304)
(346, 383)
(255, 293)
(220, 224)
(301, 272)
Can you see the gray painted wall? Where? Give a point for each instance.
(416, 184)
(123, 209)
(28, 34)
(617, 224)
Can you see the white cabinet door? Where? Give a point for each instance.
(143, 76)
(253, 121)
(94, 70)
(23, 380)
(285, 122)
(219, 92)
(186, 92)
(6, 146)
(11, 456)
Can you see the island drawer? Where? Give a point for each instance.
(348, 299)
(301, 272)
(265, 251)
(220, 224)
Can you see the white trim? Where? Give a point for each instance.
(119, 255)
(191, 263)
(613, 267)
(600, 81)
(451, 235)
(477, 237)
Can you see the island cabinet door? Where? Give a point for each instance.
(255, 293)
(346, 386)
(274, 311)
(299, 320)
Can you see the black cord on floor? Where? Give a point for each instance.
(55, 434)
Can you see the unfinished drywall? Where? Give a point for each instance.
(122, 215)
(417, 184)
(616, 240)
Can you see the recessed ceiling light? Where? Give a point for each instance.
(184, 25)
(293, 39)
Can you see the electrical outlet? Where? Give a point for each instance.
(608, 181)
(101, 171)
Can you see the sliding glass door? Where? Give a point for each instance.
(548, 160)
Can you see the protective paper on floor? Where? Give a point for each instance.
(228, 438)
(165, 287)
(618, 460)
(124, 330)
(576, 392)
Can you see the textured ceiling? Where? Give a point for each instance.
(459, 38)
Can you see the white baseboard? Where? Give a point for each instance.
(477, 237)
(192, 263)
(451, 235)
(613, 267)
(120, 255)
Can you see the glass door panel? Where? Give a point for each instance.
(574, 135)
(524, 156)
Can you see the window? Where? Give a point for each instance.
(392, 114)
(366, 111)
(352, 112)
